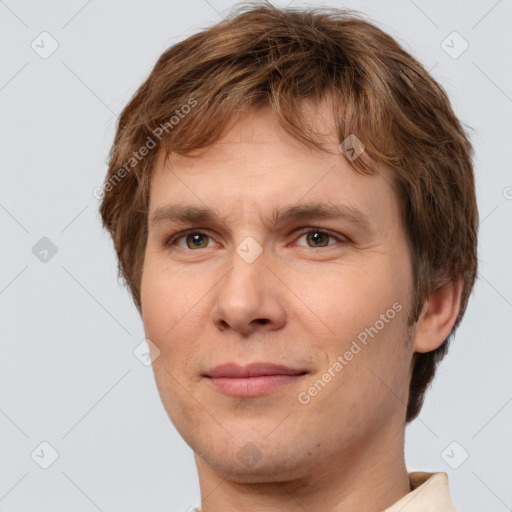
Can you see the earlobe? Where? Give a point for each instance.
(438, 316)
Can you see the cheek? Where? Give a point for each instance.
(166, 298)
(160, 319)
(364, 307)
(352, 297)
(171, 306)
(370, 381)
(182, 411)
(156, 310)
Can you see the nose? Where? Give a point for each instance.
(247, 299)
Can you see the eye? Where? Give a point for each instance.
(318, 237)
(192, 239)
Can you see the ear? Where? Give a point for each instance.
(438, 316)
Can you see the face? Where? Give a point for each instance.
(280, 317)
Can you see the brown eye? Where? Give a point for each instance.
(318, 238)
(196, 240)
(193, 240)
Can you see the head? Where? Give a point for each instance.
(246, 119)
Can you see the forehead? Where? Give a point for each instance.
(257, 166)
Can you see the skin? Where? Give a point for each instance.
(300, 303)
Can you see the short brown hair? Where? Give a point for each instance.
(261, 56)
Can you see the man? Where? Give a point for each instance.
(292, 202)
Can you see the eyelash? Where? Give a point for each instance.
(171, 242)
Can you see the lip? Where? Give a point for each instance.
(232, 370)
(252, 380)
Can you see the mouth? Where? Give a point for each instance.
(252, 380)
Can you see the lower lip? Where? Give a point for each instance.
(252, 386)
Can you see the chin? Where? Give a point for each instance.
(272, 460)
(278, 469)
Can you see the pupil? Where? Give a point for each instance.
(196, 240)
(316, 235)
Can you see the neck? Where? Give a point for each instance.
(371, 477)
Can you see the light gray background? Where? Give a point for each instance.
(68, 374)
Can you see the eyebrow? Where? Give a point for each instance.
(180, 213)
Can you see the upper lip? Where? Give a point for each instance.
(232, 370)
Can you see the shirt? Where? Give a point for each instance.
(430, 493)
